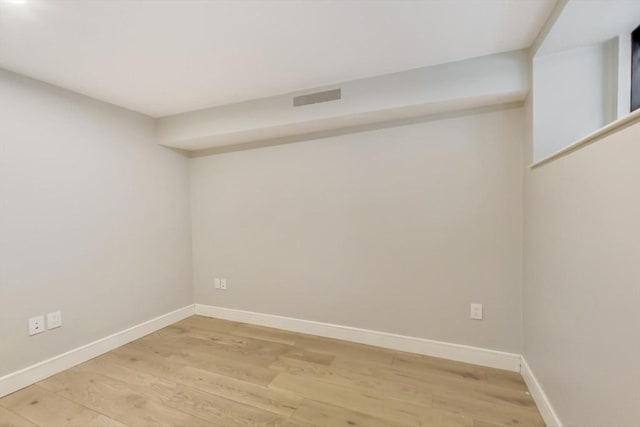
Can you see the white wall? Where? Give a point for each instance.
(581, 277)
(621, 49)
(395, 230)
(94, 220)
(575, 93)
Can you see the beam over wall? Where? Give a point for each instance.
(473, 83)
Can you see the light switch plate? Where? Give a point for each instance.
(54, 320)
(476, 311)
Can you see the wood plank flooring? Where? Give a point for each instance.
(202, 372)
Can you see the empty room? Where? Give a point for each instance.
(319, 213)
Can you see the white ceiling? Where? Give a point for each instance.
(583, 23)
(169, 56)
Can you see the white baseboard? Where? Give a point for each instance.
(549, 416)
(34, 373)
(462, 353)
(479, 356)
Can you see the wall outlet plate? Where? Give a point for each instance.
(54, 320)
(36, 325)
(223, 284)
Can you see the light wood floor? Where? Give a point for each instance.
(203, 371)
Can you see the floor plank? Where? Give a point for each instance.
(450, 368)
(316, 413)
(42, 407)
(125, 402)
(350, 379)
(366, 402)
(150, 375)
(11, 419)
(346, 350)
(434, 381)
(266, 334)
(219, 363)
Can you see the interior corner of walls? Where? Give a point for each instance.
(108, 171)
(541, 399)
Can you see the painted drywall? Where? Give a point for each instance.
(395, 230)
(578, 23)
(476, 82)
(581, 280)
(621, 46)
(575, 93)
(94, 220)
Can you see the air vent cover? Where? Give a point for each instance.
(315, 98)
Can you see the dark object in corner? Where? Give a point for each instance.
(635, 69)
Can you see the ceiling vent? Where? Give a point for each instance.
(316, 98)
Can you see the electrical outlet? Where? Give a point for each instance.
(217, 283)
(223, 284)
(476, 311)
(36, 325)
(54, 320)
